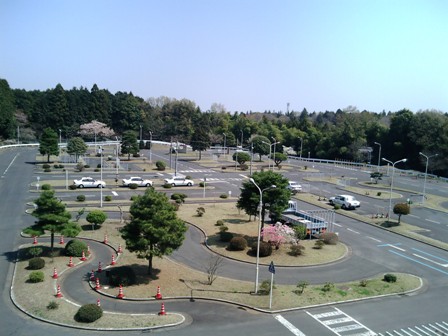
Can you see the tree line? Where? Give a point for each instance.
(344, 134)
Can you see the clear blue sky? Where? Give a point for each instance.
(245, 54)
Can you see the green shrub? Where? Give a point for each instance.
(96, 170)
(75, 247)
(86, 166)
(223, 196)
(46, 186)
(134, 197)
(98, 165)
(337, 206)
(223, 228)
(108, 198)
(200, 211)
(123, 275)
(36, 263)
(89, 313)
(136, 155)
(179, 197)
(133, 185)
(47, 170)
(35, 251)
(244, 166)
(219, 222)
(237, 244)
(390, 277)
(329, 238)
(327, 287)
(265, 249)
(52, 305)
(202, 184)
(319, 244)
(81, 198)
(167, 186)
(225, 236)
(296, 250)
(46, 166)
(36, 276)
(160, 165)
(72, 187)
(363, 283)
(378, 193)
(265, 287)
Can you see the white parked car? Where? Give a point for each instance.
(345, 201)
(88, 182)
(294, 187)
(179, 181)
(138, 181)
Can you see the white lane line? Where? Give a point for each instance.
(430, 260)
(289, 325)
(377, 240)
(413, 216)
(352, 231)
(396, 247)
(337, 224)
(432, 221)
(114, 193)
(10, 164)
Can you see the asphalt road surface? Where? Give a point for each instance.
(373, 251)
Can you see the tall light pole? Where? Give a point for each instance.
(101, 176)
(18, 135)
(392, 183)
(260, 206)
(242, 139)
(141, 133)
(251, 157)
(60, 137)
(225, 138)
(275, 142)
(150, 147)
(269, 162)
(117, 161)
(426, 173)
(379, 155)
(301, 146)
(175, 161)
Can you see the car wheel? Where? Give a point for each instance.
(343, 206)
(189, 184)
(173, 184)
(80, 186)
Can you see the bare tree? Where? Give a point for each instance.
(214, 264)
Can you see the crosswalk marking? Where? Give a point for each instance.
(341, 324)
(289, 325)
(430, 329)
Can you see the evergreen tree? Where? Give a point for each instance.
(76, 146)
(129, 143)
(154, 229)
(7, 119)
(49, 143)
(200, 140)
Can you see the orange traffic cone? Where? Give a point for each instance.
(120, 249)
(55, 273)
(158, 295)
(105, 239)
(98, 302)
(162, 309)
(34, 240)
(113, 260)
(97, 284)
(70, 263)
(83, 256)
(88, 250)
(61, 240)
(100, 268)
(92, 275)
(120, 292)
(58, 293)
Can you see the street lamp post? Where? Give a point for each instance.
(301, 146)
(242, 139)
(379, 154)
(150, 147)
(225, 138)
(141, 133)
(60, 137)
(251, 157)
(269, 162)
(101, 176)
(392, 183)
(260, 206)
(275, 143)
(426, 174)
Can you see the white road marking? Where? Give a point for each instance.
(432, 221)
(352, 231)
(396, 247)
(377, 240)
(114, 193)
(337, 224)
(427, 259)
(289, 325)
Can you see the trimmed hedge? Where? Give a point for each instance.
(36, 276)
(123, 275)
(238, 244)
(329, 238)
(36, 263)
(265, 249)
(89, 313)
(75, 247)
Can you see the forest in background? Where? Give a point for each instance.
(345, 134)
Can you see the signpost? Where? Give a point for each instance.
(272, 270)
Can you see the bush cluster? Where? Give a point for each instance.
(223, 196)
(265, 249)
(296, 250)
(237, 244)
(167, 186)
(134, 197)
(178, 197)
(36, 263)
(75, 247)
(160, 165)
(46, 186)
(319, 244)
(46, 166)
(219, 222)
(390, 277)
(36, 276)
(58, 166)
(133, 185)
(225, 236)
(72, 187)
(81, 198)
(329, 238)
(124, 275)
(47, 170)
(89, 313)
(108, 198)
(52, 305)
